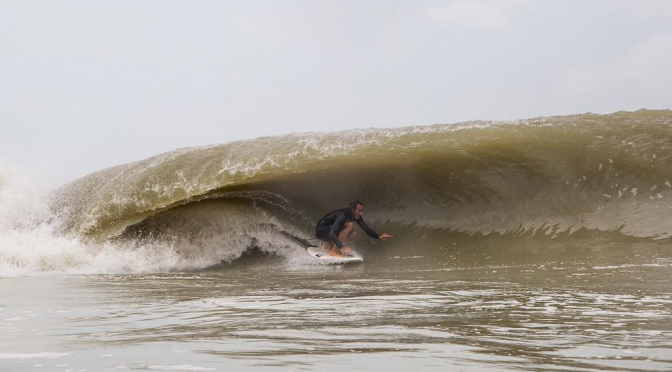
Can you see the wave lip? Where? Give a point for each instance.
(605, 172)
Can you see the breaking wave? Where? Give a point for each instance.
(583, 186)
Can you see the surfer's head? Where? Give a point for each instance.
(356, 209)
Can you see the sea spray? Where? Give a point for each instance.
(32, 242)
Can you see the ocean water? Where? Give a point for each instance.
(263, 315)
(540, 244)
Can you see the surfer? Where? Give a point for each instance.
(339, 226)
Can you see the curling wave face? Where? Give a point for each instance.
(573, 186)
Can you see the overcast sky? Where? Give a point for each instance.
(85, 85)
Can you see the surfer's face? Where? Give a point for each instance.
(357, 212)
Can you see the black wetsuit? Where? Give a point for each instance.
(331, 225)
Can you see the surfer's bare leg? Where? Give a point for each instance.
(347, 234)
(348, 230)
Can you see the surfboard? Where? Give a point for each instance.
(318, 252)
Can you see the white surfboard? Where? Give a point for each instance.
(320, 253)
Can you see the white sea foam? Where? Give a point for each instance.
(31, 244)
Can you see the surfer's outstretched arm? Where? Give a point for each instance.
(369, 231)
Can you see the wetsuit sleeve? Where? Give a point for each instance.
(333, 233)
(369, 231)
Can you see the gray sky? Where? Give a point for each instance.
(85, 85)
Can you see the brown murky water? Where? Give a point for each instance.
(271, 316)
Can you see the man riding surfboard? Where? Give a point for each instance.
(338, 226)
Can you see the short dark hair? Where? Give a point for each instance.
(354, 204)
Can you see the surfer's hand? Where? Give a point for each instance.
(385, 237)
